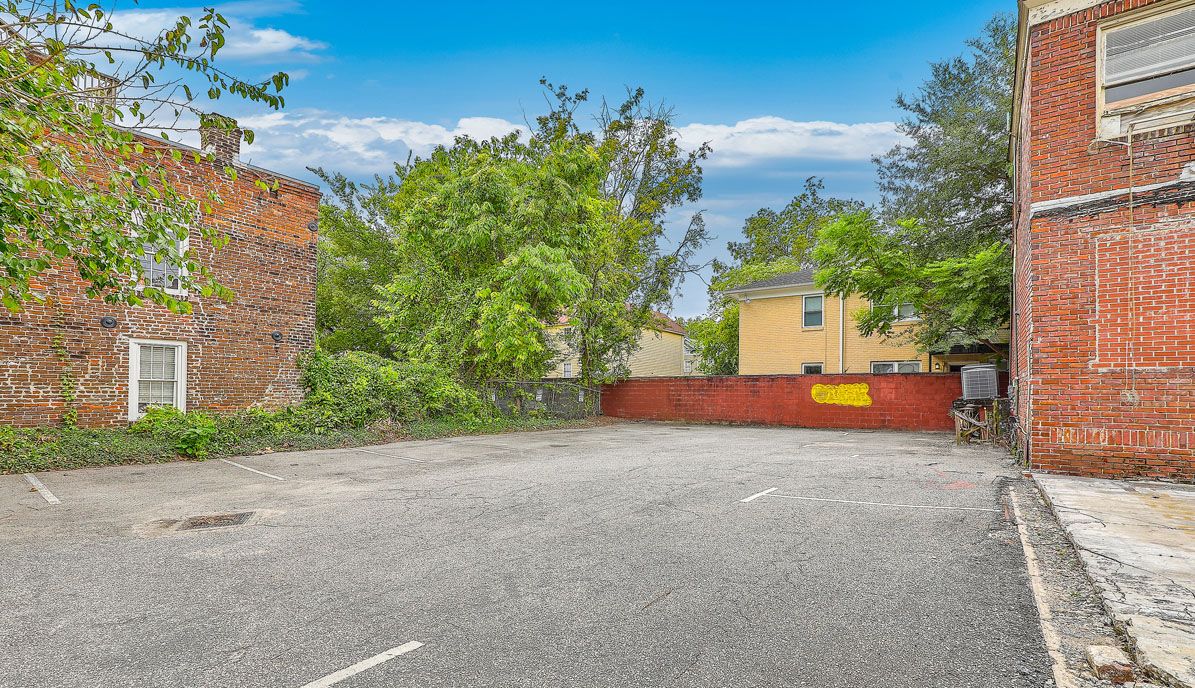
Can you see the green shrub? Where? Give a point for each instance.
(355, 389)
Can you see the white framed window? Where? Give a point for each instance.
(688, 367)
(159, 273)
(157, 375)
(811, 368)
(812, 311)
(882, 367)
(904, 312)
(1146, 65)
(567, 370)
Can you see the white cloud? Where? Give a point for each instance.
(243, 39)
(295, 139)
(763, 138)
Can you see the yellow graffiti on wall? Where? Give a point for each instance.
(842, 395)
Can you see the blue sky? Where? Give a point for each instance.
(784, 91)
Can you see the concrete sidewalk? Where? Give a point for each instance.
(1137, 541)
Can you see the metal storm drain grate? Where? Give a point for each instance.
(215, 521)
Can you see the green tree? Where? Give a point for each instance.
(941, 243)
(953, 174)
(775, 242)
(76, 184)
(355, 255)
(625, 173)
(489, 246)
(960, 300)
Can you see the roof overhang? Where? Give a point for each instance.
(774, 292)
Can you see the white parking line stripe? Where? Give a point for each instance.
(851, 501)
(41, 489)
(389, 456)
(357, 668)
(252, 470)
(757, 495)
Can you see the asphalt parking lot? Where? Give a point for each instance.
(632, 554)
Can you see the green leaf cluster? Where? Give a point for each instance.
(960, 300)
(77, 186)
(463, 258)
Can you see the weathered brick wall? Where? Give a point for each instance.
(1105, 361)
(232, 362)
(897, 401)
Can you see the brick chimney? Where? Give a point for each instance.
(220, 136)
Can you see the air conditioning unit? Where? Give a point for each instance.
(981, 381)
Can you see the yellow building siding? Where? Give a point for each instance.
(773, 339)
(659, 354)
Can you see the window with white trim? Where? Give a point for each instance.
(812, 311)
(811, 368)
(1147, 60)
(160, 273)
(568, 370)
(882, 367)
(157, 375)
(904, 312)
(688, 367)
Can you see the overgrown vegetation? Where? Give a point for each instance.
(353, 399)
(461, 258)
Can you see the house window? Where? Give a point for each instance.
(904, 312)
(157, 375)
(161, 274)
(1149, 59)
(568, 370)
(813, 311)
(688, 367)
(811, 368)
(881, 367)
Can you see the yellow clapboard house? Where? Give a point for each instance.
(661, 351)
(787, 325)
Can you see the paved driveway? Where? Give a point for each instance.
(622, 555)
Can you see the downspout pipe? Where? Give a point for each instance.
(841, 332)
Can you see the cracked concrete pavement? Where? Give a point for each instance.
(608, 556)
(1137, 541)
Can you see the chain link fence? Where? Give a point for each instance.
(550, 398)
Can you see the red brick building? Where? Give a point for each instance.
(106, 363)
(1104, 312)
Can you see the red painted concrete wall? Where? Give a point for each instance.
(898, 402)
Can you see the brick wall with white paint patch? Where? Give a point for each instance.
(1104, 354)
(232, 362)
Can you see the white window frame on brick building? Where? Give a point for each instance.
(889, 367)
(179, 380)
(812, 368)
(150, 266)
(1138, 57)
(806, 312)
